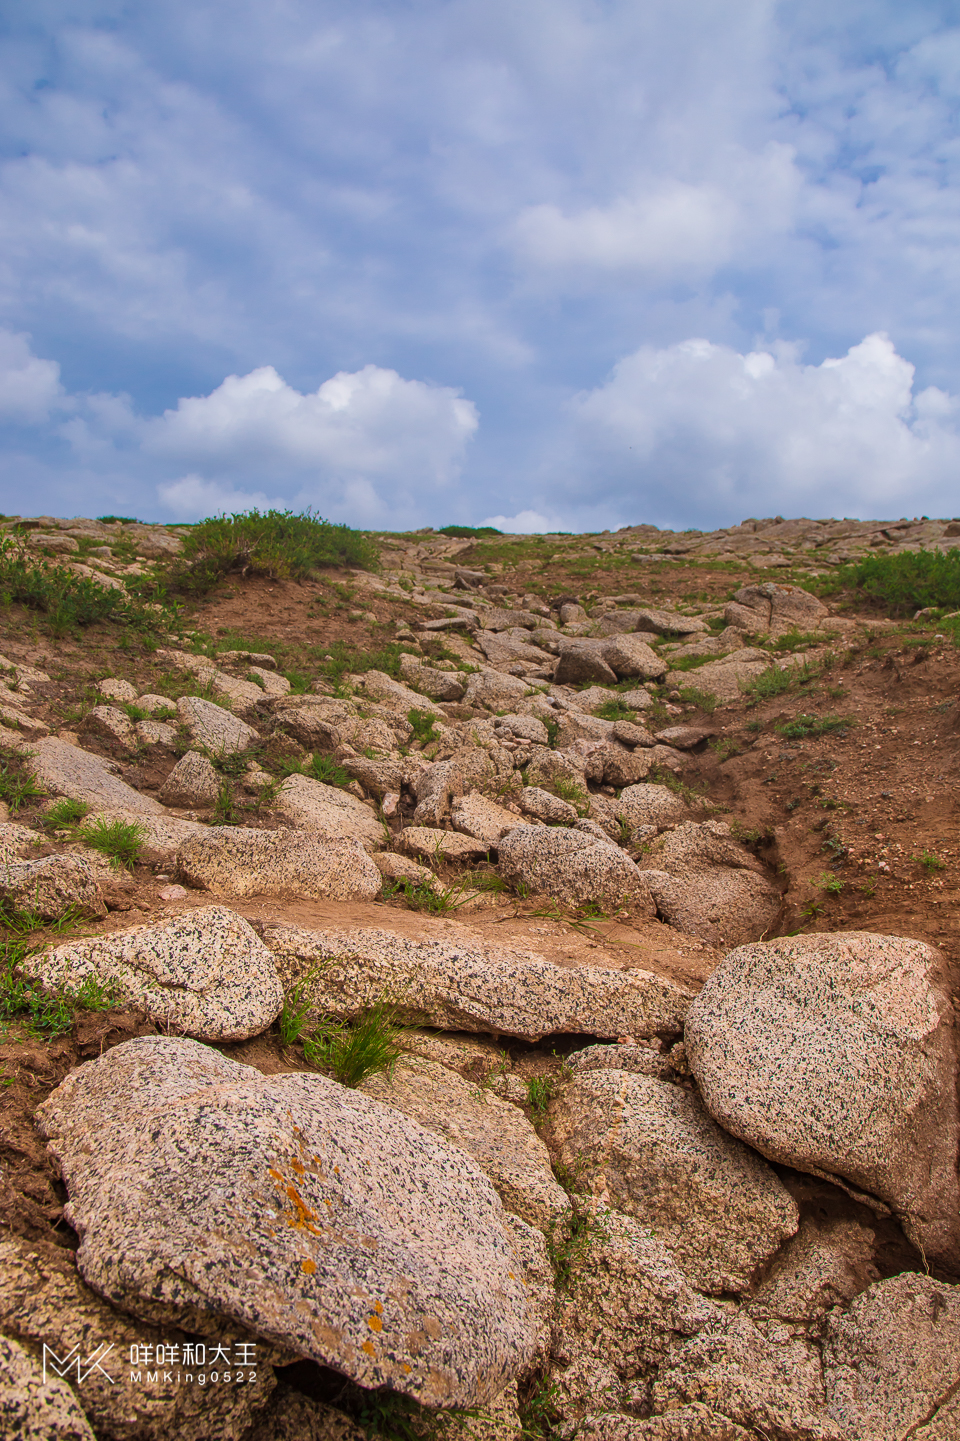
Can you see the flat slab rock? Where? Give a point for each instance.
(312, 1215)
(650, 1149)
(205, 973)
(66, 770)
(495, 1133)
(241, 861)
(310, 805)
(835, 1054)
(468, 985)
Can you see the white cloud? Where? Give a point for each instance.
(525, 522)
(704, 431)
(670, 225)
(29, 387)
(370, 425)
(193, 498)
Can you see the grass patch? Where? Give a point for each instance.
(777, 680)
(614, 710)
(803, 726)
(570, 1241)
(338, 660)
(225, 806)
(47, 1014)
(120, 841)
(65, 815)
(66, 601)
(292, 1020)
(352, 1053)
(424, 723)
(540, 1092)
(704, 700)
(906, 582)
(930, 861)
(279, 544)
(467, 531)
(572, 792)
(421, 896)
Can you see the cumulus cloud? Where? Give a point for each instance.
(699, 429)
(29, 387)
(525, 522)
(192, 498)
(367, 442)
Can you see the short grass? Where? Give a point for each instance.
(65, 815)
(282, 545)
(803, 726)
(466, 531)
(902, 583)
(17, 786)
(47, 1014)
(120, 841)
(66, 601)
(297, 1001)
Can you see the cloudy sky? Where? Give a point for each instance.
(564, 264)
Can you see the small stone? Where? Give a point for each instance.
(212, 728)
(52, 887)
(444, 845)
(107, 723)
(476, 816)
(544, 806)
(173, 893)
(116, 689)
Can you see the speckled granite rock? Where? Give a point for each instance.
(437, 684)
(492, 690)
(438, 784)
(109, 723)
(573, 867)
(649, 805)
(469, 985)
(651, 1150)
(893, 1358)
(496, 1134)
(827, 1263)
(771, 609)
(401, 868)
(475, 815)
(66, 770)
(51, 886)
(192, 782)
(628, 655)
(310, 805)
(116, 689)
(582, 661)
(449, 845)
(836, 1054)
(205, 973)
(770, 1384)
(32, 1407)
(627, 1302)
(640, 1060)
(44, 1301)
(237, 861)
(307, 1212)
(212, 728)
(291, 1416)
(689, 1423)
(534, 801)
(15, 841)
(707, 884)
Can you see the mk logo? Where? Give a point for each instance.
(73, 1361)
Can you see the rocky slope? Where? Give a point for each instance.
(654, 857)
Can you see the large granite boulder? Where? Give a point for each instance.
(66, 770)
(836, 1054)
(461, 982)
(310, 1214)
(707, 884)
(310, 805)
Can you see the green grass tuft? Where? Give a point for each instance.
(65, 815)
(906, 582)
(365, 1048)
(804, 725)
(279, 544)
(17, 786)
(120, 841)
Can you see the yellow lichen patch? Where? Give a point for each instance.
(369, 1347)
(407, 1370)
(308, 1266)
(375, 1323)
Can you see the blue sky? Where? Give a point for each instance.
(559, 265)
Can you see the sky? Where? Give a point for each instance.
(547, 265)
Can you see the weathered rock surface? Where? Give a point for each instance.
(687, 1423)
(33, 1407)
(772, 1385)
(709, 885)
(377, 1249)
(311, 805)
(627, 1303)
(496, 1134)
(573, 867)
(437, 684)
(43, 1301)
(108, 723)
(51, 886)
(651, 1150)
(579, 661)
(212, 728)
(192, 782)
(444, 845)
(66, 770)
(439, 784)
(624, 1056)
(836, 1054)
(475, 815)
(724, 678)
(650, 805)
(116, 689)
(205, 973)
(534, 801)
(400, 868)
(161, 835)
(827, 1263)
(243, 862)
(465, 984)
(628, 655)
(494, 691)
(774, 609)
